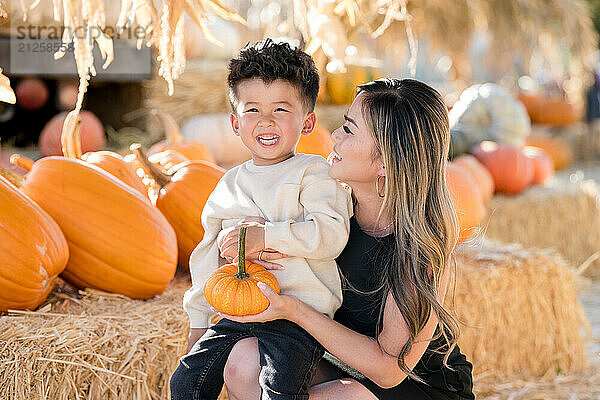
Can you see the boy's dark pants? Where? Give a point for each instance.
(288, 360)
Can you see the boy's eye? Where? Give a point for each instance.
(280, 109)
(346, 129)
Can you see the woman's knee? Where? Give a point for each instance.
(243, 366)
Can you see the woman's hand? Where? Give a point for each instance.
(280, 307)
(255, 244)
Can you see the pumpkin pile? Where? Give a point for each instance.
(491, 168)
(89, 218)
(487, 112)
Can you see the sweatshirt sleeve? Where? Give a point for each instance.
(204, 260)
(324, 231)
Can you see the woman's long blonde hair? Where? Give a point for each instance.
(409, 122)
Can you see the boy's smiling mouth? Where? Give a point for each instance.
(268, 139)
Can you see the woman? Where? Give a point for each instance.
(391, 339)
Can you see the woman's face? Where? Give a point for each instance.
(352, 158)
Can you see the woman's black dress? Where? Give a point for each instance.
(359, 261)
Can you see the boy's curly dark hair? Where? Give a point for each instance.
(269, 61)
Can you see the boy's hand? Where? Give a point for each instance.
(194, 335)
(228, 238)
(255, 243)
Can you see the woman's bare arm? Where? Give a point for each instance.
(354, 349)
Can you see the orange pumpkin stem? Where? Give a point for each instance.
(242, 274)
(22, 162)
(15, 179)
(172, 132)
(160, 177)
(70, 137)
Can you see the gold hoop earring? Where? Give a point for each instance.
(377, 185)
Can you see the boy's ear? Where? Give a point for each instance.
(235, 124)
(309, 123)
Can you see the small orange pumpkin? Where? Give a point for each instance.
(33, 249)
(181, 197)
(511, 169)
(480, 174)
(190, 149)
(466, 198)
(558, 149)
(232, 289)
(319, 142)
(543, 167)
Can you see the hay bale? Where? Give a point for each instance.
(98, 346)
(521, 312)
(564, 215)
(585, 386)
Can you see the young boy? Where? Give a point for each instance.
(273, 90)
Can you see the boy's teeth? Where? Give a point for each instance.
(268, 139)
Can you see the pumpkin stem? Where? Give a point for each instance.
(160, 177)
(172, 132)
(242, 255)
(15, 179)
(21, 161)
(71, 135)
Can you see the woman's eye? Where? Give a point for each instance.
(346, 129)
(251, 110)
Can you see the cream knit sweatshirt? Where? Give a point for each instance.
(307, 215)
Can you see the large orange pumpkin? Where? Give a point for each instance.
(167, 159)
(190, 149)
(558, 149)
(543, 167)
(92, 134)
(319, 142)
(554, 112)
(114, 164)
(480, 174)
(466, 198)
(118, 241)
(181, 198)
(33, 250)
(546, 110)
(232, 288)
(511, 169)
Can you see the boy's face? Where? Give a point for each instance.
(269, 119)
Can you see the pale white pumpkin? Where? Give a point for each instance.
(214, 131)
(197, 45)
(488, 112)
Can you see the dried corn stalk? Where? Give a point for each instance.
(84, 22)
(6, 93)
